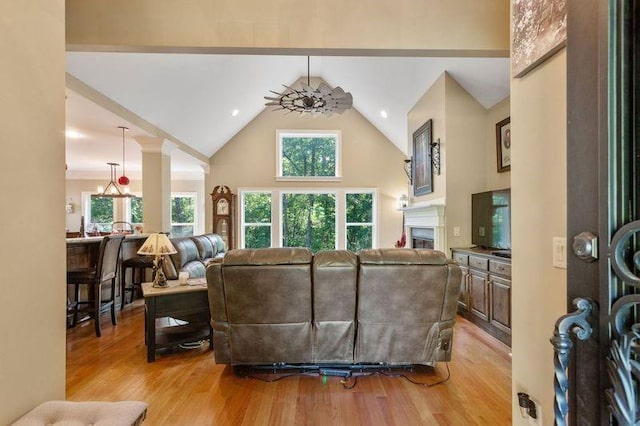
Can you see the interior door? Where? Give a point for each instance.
(602, 203)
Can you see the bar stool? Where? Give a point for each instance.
(138, 264)
(103, 274)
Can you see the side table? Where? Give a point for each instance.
(177, 301)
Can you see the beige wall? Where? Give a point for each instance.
(32, 306)
(478, 27)
(460, 122)
(369, 160)
(75, 188)
(495, 114)
(538, 182)
(464, 156)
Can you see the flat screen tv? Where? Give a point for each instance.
(491, 219)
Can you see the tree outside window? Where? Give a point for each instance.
(359, 221)
(101, 215)
(257, 219)
(309, 155)
(309, 220)
(182, 215)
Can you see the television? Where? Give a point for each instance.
(491, 220)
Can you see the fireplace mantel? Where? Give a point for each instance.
(429, 215)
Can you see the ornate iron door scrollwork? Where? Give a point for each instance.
(622, 367)
(577, 324)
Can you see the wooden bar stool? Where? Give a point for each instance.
(138, 264)
(104, 274)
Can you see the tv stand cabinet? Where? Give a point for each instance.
(485, 291)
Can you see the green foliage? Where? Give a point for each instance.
(360, 208)
(182, 210)
(309, 156)
(257, 207)
(102, 210)
(136, 209)
(257, 236)
(359, 237)
(309, 220)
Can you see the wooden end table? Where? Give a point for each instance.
(177, 301)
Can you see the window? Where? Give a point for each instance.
(309, 220)
(256, 219)
(135, 210)
(321, 219)
(308, 155)
(359, 222)
(100, 214)
(183, 220)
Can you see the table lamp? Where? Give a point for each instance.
(158, 245)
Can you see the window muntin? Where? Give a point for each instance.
(359, 220)
(308, 155)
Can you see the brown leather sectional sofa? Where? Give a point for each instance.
(285, 305)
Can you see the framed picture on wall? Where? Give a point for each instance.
(422, 172)
(503, 144)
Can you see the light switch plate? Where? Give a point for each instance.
(560, 252)
(456, 231)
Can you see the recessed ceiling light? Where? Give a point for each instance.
(383, 113)
(235, 112)
(73, 134)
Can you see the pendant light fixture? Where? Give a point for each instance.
(323, 100)
(123, 180)
(113, 190)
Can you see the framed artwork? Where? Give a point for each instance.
(539, 29)
(422, 172)
(503, 144)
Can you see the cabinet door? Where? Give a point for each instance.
(463, 299)
(501, 304)
(479, 294)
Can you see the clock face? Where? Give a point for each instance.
(222, 207)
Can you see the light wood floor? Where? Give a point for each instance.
(188, 388)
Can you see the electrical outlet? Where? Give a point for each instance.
(456, 231)
(481, 231)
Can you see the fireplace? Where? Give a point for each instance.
(425, 226)
(423, 238)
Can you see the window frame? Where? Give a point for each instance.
(244, 224)
(280, 134)
(340, 212)
(185, 194)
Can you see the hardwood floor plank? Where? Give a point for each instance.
(187, 387)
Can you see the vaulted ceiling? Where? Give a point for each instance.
(192, 97)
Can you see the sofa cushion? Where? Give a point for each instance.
(335, 275)
(406, 298)
(205, 246)
(187, 258)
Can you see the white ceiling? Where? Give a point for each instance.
(192, 96)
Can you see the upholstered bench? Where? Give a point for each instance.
(95, 413)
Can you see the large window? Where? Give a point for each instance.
(256, 219)
(308, 155)
(318, 219)
(183, 217)
(309, 220)
(135, 211)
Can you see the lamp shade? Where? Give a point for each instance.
(158, 245)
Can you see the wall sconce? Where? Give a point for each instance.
(435, 156)
(527, 406)
(403, 201)
(407, 170)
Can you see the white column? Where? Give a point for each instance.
(156, 183)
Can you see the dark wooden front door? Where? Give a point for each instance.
(602, 176)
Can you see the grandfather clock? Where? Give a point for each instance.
(223, 202)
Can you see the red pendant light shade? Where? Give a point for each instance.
(123, 180)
